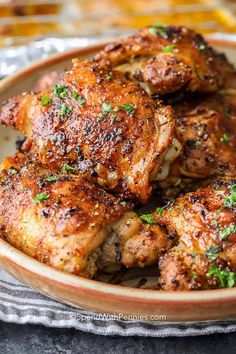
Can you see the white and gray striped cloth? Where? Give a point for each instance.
(20, 304)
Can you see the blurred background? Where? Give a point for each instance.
(56, 25)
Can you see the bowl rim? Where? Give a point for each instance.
(136, 294)
(98, 288)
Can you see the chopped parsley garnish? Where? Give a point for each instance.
(214, 223)
(53, 138)
(81, 100)
(168, 48)
(13, 171)
(45, 100)
(158, 29)
(60, 90)
(201, 47)
(51, 179)
(108, 77)
(67, 168)
(65, 109)
(106, 109)
(41, 197)
(226, 279)
(225, 138)
(227, 231)
(159, 211)
(113, 117)
(123, 203)
(212, 252)
(129, 107)
(198, 143)
(231, 199)
(148, 218)
(194, 276)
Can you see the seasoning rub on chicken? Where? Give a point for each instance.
(62, 220)
(101, 125)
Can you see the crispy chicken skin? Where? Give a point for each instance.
(101, 124)
(64, 221)
(59, 219)
(168, 59)
(204, 222)
(206, 129)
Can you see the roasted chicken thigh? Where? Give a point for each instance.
(63, 220)
(204, 223)
(166, 59)
(100, 125)
(206, 129)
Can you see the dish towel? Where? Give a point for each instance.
(20, 304)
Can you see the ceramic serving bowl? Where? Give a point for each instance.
(96, 295)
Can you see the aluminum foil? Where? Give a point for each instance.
(13, 59)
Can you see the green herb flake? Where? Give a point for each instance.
(123, 203)
(148, 218)
(51, 179)
(108, 77)
(81, 100)
(67, 168)
(60, 90)
(65, 110)
(13, 171)
(113, 117)
(225, 138)
(159, 211)
(227, 231)
(231, 199)
(158, 29)
(201, 47)
(41, 197)
(106, 109)
(45, 100)
(194, 276)
(198, 143)
(168, 49)
(212, 252)
(129, 107)
(214, 223)
(226, 279)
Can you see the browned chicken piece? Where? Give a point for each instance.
(166, 59)
(206, 129)
(99, 124)
(133, 243)
(62, 220)
(204, 222)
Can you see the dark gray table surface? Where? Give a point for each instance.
(27, 339)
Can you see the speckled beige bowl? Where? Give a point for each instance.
(91, 294)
